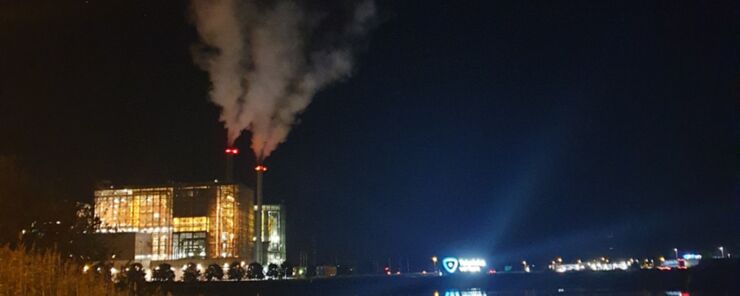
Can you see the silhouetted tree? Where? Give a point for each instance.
(27, 218)
(286, 269)
(255, 271)
(70, 230)
(191, 273)
(236, 271)
(273, 271)
(214, 271)
(163, 273)
(84, 245)
(132, 277)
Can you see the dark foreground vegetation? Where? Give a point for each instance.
(33, 272)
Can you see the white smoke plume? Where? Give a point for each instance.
(267, 59)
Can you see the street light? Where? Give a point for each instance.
(722, 250)
(675, 250)
(434, 262)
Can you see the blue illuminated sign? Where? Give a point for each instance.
(452, 264)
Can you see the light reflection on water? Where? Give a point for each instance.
(479, 292)
(469, 292)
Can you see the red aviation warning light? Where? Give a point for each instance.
(260, 168)
(233, 151)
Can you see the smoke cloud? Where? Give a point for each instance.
(267, 59)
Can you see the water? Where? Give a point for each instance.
(562, 292)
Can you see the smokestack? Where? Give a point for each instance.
(229, 174)
(266, 62)
(258, 246)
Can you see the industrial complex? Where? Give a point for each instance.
(193, 222)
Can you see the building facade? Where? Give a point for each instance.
(184, 221)
(273, 233)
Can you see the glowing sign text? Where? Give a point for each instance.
(452, 264)
(692, 256)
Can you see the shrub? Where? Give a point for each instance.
(286, 269)
(132, 277)
(214, 271)
(163, 273)
(191, 273)
(273, 271)
(236, 271)
(254, 271)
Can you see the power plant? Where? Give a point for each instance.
(192, 222)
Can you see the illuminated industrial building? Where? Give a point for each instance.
(273, 233)
(188, 221)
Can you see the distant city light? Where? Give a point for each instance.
(601, 264)
(692, 256)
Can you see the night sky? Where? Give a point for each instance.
(511, 130)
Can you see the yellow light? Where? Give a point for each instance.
(190, 224)
(434, 259)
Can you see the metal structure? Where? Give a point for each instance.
(259, 254)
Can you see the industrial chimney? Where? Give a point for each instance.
(259, 245)
(230, 154)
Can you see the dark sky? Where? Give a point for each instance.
(510, 130)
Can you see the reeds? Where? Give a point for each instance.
(32, 272)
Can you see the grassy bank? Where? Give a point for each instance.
(30, 272)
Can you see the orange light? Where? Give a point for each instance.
(260, 168)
